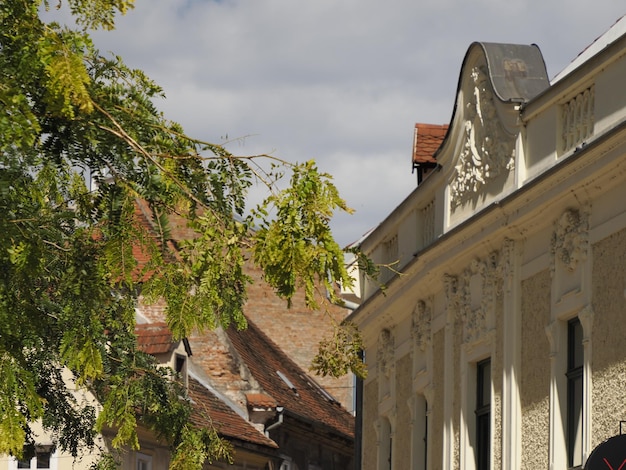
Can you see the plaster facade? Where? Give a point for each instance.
(501, 338)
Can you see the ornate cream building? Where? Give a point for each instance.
(500, 339)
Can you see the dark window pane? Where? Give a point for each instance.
(483, 414)
(575, 360)
(43, 459)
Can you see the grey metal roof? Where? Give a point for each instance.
(518, 72)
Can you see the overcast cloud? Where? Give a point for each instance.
(341, 81)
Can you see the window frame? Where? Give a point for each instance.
(143, 458)
(574, 393)
(14, 463)
(482, 412)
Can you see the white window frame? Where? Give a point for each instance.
(471, 355)
(557, 333)
(143, 458)
(33, 462)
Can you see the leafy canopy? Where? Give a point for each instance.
(81, 142)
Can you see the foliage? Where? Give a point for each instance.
(341, 353)
(70, 274)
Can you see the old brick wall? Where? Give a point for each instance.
(297, 330)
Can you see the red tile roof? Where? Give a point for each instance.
(211, 410)
(154, 338)
(299, 394)
(427, 140)
(260, 400)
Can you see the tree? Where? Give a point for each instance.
(69, 281)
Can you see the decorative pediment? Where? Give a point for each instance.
(495, 80)
(487, 150)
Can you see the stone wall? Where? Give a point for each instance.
(297, 330)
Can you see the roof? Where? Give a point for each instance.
(426, 141)
(615, 32)
(517, 71)
(154, 338)
(291, 387)
(260, 400)
(211, 410)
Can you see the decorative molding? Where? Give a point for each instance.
(577, 119)
(586, 321)
(488, 150)
(385, 353)
(478, 293)
(553, 333)
(570, 240)
(421, 325)
(451, 290)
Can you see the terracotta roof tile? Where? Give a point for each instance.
(287, 383)
(154, 338)
(211, 410)
(260, 400)
(427, 140)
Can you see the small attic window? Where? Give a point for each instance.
(287, 381)
(180, 364)
(180, 367)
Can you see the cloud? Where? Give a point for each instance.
(340, 81)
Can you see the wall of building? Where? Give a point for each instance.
(515, 257)
(535, 371)
(404, 393)
(609, 340)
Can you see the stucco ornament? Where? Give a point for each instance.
(420, 330)
(479, 286)
(385, 352)
(451, 289)
(487, 149)
(570, 239)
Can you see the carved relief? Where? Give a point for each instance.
(451, 289)
(478, 294)
(570, 240)
(488, 149)
(385, 353)
(420, 330)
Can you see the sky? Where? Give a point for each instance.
(342, 82)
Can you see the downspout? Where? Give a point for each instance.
(277, 423)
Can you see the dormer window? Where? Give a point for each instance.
(180, 368)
